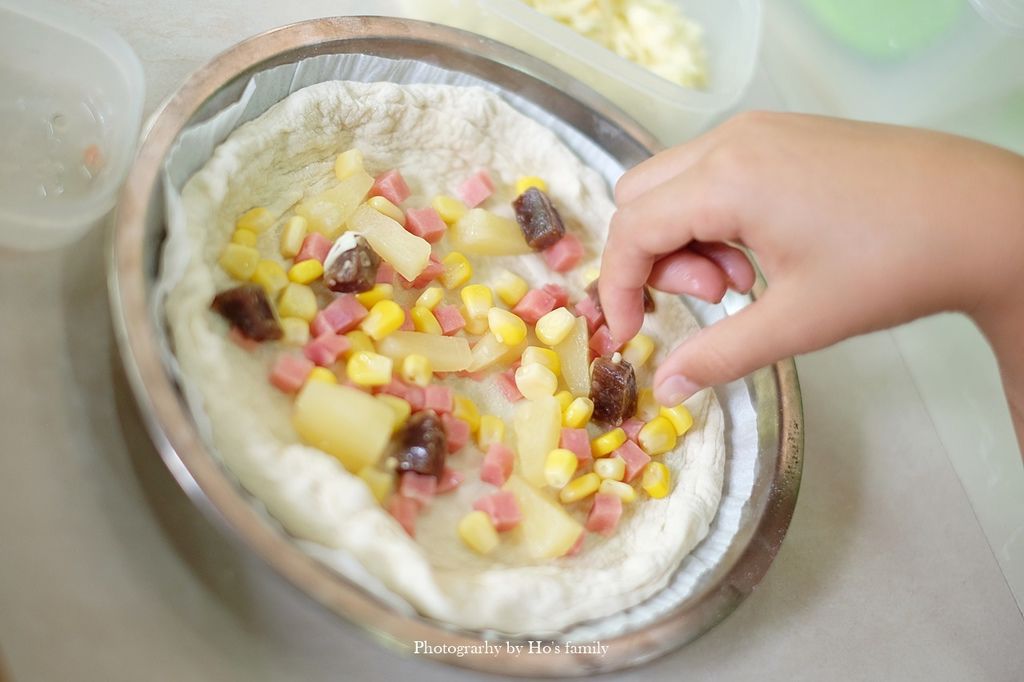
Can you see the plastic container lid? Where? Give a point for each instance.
(70, 114)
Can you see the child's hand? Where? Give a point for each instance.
(856, 227)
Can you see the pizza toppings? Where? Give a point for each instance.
(351, 265)
(613, 390)
(539, 220)
(248, 310)
(422, 445)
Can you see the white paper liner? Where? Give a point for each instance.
(195, 146)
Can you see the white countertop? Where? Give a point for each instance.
(107, 572)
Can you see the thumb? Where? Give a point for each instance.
(762, 333)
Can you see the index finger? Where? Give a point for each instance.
(654, 224)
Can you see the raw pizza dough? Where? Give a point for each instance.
(437, 135)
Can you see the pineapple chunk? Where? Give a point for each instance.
(546, 530)
(488, 351)
(408, 253)
(538, 426)
(342, 421)
(445, 353)
(574, 356)
(484, 233)
(327, 212)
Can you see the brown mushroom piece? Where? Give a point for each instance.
(649, 305)
(351, 265)
(422, 445)
(613, 390)
(538, 218)
(247, 308)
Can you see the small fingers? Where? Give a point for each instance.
(733, 262)
(685, 272)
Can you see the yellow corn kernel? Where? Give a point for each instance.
(555, 326)
(292, 235)
(507, 327)
(611, 468)
(424, 321)
(379, 292)
(401, 408)
(607, 443)
(578, 414)
(255, 220)
(385, 317)
(656, 480)
(589, 275)
(478, 300)
(559, 466)
(477, 531)
(382, 205)
(564, 398)
(680, 417)
(359, 341)
(239, 261)
(430, 297)
(657, 436)
(535, 355)
(581, 488)
(457, 270)
(416, 369)
(536, 381)
(369, 369)
(296, 331)
(620, 489)
(492, 430)
(322, 374)
(466, 410)
(449, 208)
(244, 237)
(647, 408)
(638, 350)
(379, 482)
(347, 163)
(510, 287)
(271, 276)
(297, 300)
(475, 326)
(527, 181)
(306, 272)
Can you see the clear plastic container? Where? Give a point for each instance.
(732, 36)
(70, 114)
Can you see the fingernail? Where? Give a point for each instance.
(675, 390)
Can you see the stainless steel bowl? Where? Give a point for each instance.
(139, 231)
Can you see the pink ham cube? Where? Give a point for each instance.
(604, 514)
(385, 273)
(450, 480)
(450, 319)
(391, 185)
(577, 441)
(534, 305)
(557, 292)
(407, 324)
(425, 223)
(440, 399)
(577, 546)
(290, 371)
(419, 487)
(325, 349)
(476, 188)
(602, 343)
(632, 428)
(456, 431)
(503, 509)
(591, 312)
(635, 459)
(565, 254)
(314, 247)
(339, 316)
(497, 464)
(404, 509)
(507, 385)
(433, 270)
(407, 392)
